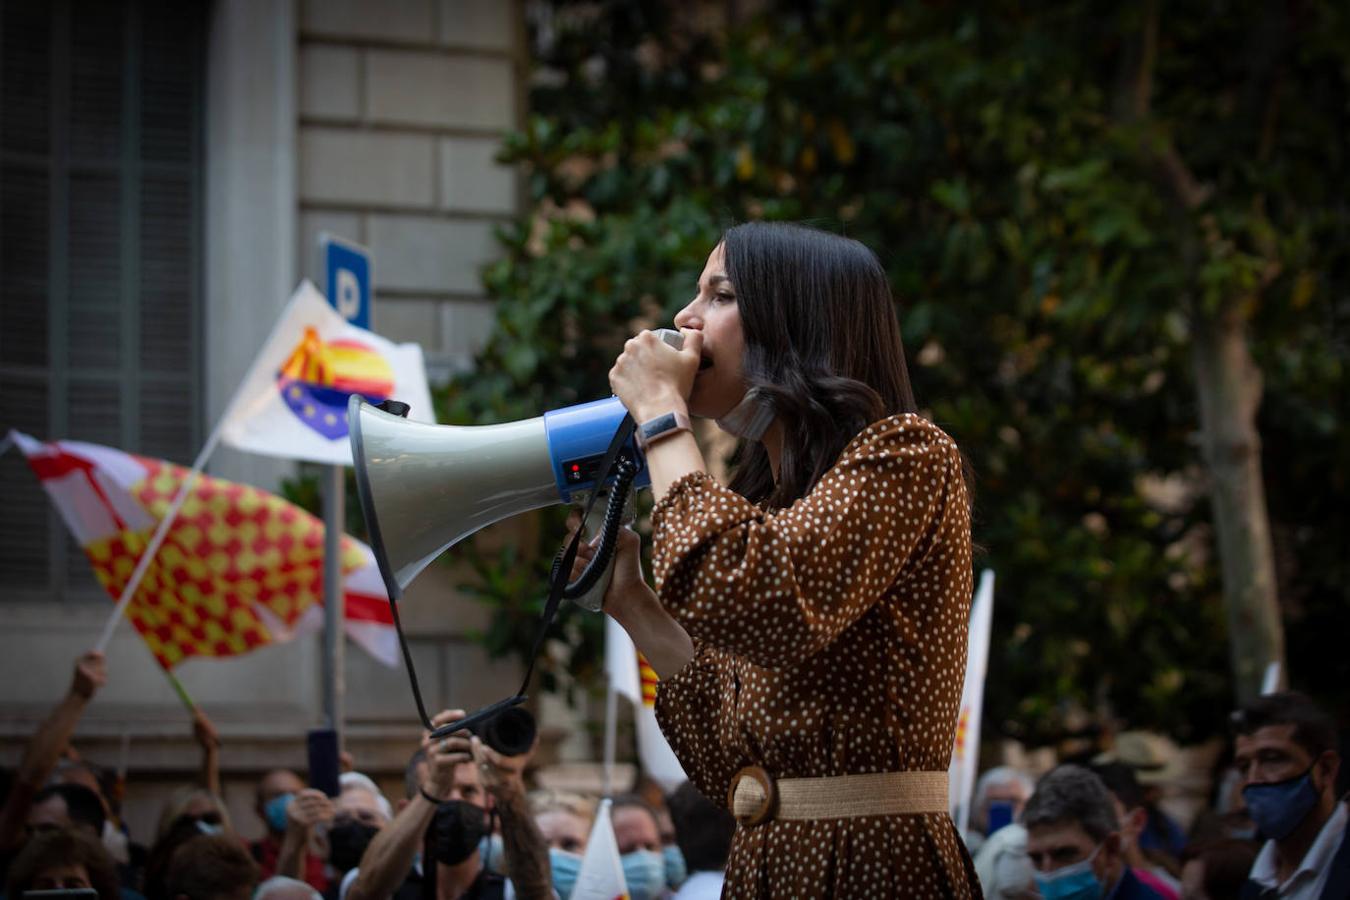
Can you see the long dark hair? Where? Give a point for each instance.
(822, 343)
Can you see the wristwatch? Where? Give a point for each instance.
(653, 430)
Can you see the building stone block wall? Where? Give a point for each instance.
(401, 109)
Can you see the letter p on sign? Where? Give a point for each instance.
(347, 268)
(347, 294)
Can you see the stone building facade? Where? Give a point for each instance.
(374, 120)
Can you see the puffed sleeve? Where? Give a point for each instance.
(775, 587)
(690, 708)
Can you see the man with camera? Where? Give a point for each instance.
(448, 821)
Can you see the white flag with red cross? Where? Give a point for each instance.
(239, 567)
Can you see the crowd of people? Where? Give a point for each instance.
(1097, 830)
(468, 825)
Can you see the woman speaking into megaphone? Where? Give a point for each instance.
(809, 619)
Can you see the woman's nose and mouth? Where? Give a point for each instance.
(681, 321)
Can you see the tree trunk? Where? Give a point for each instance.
(1229, 386)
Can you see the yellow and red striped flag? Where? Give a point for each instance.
(239, 568)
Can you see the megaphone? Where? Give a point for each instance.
(424, 488)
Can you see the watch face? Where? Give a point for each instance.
(658, 425)
(655, 429)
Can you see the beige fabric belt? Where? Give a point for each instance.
(756, 797)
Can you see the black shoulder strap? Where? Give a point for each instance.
(562, 570)
(1338, 879)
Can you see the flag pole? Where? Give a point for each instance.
(334, 679)
(611, 728)
(181, 691)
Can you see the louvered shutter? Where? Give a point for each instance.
(100, 251)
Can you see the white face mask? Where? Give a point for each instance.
(750, 418)
(115, 842)
(1077, 881)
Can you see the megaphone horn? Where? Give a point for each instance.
(424, 488)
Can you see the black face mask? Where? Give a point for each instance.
(456, 831)
(348, 842)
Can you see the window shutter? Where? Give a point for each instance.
(100, 251)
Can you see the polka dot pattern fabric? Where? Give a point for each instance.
(830, 639)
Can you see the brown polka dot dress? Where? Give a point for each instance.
(830, 639)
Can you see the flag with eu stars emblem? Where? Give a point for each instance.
(239, 568)
(293, 402)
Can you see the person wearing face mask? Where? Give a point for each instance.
(433, 848)
(639, 841)
(676, 869)
(809, 618)
(564, 821)
(1000, 794)
(359, 813)
(1286, 751)
(272, 796)
(1074, 840)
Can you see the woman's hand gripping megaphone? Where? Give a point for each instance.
(655, 373)
(648, 347)
(625, 580)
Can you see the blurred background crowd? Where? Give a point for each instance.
(468, 820)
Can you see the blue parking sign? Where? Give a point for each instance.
(347, 275)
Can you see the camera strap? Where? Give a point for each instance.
(562, 569)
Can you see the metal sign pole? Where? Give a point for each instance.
(334, 614)
(349, 282)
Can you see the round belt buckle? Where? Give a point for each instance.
(753, 796)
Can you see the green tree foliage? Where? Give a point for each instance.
(1022, 170)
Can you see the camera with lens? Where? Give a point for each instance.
(510, 732)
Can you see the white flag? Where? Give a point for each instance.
(601, 874)
(631, 675)
(966, 754)
(1270, 682)
(293, 402)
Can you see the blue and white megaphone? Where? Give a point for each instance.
(424, 488)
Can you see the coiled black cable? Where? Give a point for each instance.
(625, 470)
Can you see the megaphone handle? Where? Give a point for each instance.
(594, 598)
